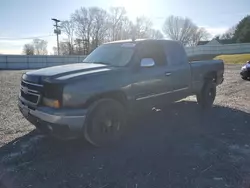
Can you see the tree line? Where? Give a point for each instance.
(37, 47)
(88, 28)
(239, 33)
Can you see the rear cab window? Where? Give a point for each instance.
(175, 53)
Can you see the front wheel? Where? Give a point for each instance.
(105, 122)
(207, 95)
(244, 77)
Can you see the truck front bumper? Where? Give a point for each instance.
(60, 123)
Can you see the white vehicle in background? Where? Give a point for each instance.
(245, 71)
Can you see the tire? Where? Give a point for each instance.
(104, 122)
(244, 77)
(207, 95)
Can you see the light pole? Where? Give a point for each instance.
(57, 32)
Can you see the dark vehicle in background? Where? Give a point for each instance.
(245, 71)
(92, 99)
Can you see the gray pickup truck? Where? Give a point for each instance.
(91, 99)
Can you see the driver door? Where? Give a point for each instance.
(152, 85)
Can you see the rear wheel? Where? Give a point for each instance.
(207, 95)
(105, 122)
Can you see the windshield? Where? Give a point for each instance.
(112, 54)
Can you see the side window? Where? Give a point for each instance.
(154, 51)
(175, 54)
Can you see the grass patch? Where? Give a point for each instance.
(234, 58)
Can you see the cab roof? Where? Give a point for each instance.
(139, 41)
(126, 41)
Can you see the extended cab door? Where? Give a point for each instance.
(178, 70)
(151, 84)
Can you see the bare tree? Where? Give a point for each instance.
(40, 47)
(79, 47)
(83, 23)
(229, 33)
(156, 34)
(126, 31)
(80, 20)
(99, 25)
(143, 27)
(184, 30)
(68, 29)
(116, 17)
(65, 48)
(198, 35)
(28, 49)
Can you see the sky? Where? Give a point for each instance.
(21, 19)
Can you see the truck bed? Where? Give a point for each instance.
(201, 68)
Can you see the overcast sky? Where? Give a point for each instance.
(31, 18)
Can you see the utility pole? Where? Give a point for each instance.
(57, 31)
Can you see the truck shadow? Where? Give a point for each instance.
(179, 139)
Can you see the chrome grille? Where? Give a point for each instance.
(30, 92)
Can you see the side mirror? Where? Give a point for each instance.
(147, 62)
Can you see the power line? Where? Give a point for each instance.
(24, 38)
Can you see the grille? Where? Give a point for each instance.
(31, 86)
(31, 92)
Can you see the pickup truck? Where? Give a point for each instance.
(92, 99)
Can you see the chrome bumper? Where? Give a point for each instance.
(73, 119)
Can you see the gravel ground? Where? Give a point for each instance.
(178, 146)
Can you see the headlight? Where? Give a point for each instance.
(51, 102)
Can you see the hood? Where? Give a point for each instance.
(64, 72)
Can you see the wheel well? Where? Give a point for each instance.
(119, 96)
(211, 76)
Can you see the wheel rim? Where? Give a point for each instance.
(106, 127)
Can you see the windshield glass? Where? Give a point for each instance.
(112, 54)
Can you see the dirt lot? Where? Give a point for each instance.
(179, 146)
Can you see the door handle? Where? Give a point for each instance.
(168, 73)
